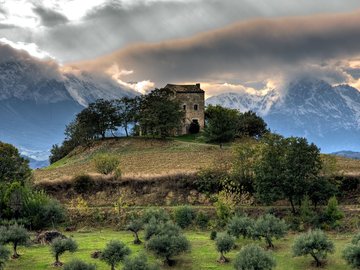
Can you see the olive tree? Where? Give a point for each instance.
(314, 243)
(135, 226)
(59, 246)
(138, 263)
(269, 227)
(79, 265)
(4, 257)
(16, 235)
(351, 253)
(114, 253)
(167, 242)
(184, 216)
(253, 257)
(241, 226)
(224, 243)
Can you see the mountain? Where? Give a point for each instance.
(348, 154)
(37, 100)
(326, 115)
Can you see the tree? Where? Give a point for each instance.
(13, 167)
(127, 111)
(114, 252)
(251, 125)
(59, 246)
(135, 226)
(78, 265)
(159, 214)
(351, 253)
(184, 216)
(285, 169)
(220, 124)
(160, 113)
(314, 243)
(168, 242)
(224, 243)
(269, 227)
(138, 263)
(16, 235)
(241, 226)
(332, 214)
(321, 190)
(253, 257)
(106, 163)
(4, 257)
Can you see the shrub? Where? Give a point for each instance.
(240, 226)
(202, 220)
(4, 257)
(168, 242)
(16, 235)
(351, 253)
(314, 243)
(223, 212)
(114, 252)
(332, 214)
(135, 226)
(106, 163)
(269, 227)
(209, 180)
(213, 235)
(59, 246)
(78, 265)
(184, 216)
(253, 257)
(224, 243)
(138, 263)
(159, 214)
(83, 183)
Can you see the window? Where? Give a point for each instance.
(196, 107)
(184, 107)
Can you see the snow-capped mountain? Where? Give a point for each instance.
(326, 115)
(37, 100)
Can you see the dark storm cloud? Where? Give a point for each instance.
(244, 50)
(119, 23)
(50, 17)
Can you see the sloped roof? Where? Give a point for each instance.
(192, 88)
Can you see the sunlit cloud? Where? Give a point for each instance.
(31, 48)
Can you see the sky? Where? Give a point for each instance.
(226, 45)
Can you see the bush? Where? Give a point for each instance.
(253, 257)
(159, 214)
(83, 184)
(106, 163)
(16, 235)
(138, 263)
(184, 216)
(4, 257)
(59, 246)
(213, 235)
(79, 265)
(202, 220)
(208, 181)
(135, 226)
(269, 227)
(224, 243)
(114, 252)
(168, 242)
(241, 226)
(351, 253)
(332, 214)
(314, 243)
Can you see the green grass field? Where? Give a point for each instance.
(203, 254)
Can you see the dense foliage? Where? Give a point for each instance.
(241, 226)
(269, 227)
(106, 163)
(114, 253)
(79, 265)
(15, 235)
(253, 257)
(351, 253)
(184, 216)
(59, 246)
(314, 243)
(4, 257)
(224, 243)
(138, 263)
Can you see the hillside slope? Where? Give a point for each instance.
(138, 157)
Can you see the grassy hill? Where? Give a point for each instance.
(139, 157)
(151, 157)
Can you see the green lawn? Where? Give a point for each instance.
(202, 256)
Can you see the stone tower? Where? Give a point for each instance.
(192, 100)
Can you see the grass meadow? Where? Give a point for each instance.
(203, 254)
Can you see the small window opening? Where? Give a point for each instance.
(196, 107)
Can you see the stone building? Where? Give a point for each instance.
(192, 99)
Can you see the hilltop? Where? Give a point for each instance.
(141, 157)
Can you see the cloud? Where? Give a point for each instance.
(50, 17)
(253, 50)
